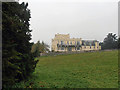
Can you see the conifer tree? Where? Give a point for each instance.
(17, 61)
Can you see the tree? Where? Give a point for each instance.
(36, 49)
(45, 47)
(17, 61)
(110, 42)
(119, 43)
(40, 48)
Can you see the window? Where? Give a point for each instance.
(78, 48)
(68, 42)
(62, 48)
(78, 43)
(90, 44)
(61, 42)
(58, 48)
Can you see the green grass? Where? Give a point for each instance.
(84, 70)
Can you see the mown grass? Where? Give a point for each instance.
(84, 70)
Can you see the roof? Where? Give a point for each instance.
(89, 42)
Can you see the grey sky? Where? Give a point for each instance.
(86, 19)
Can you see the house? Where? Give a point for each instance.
(63, 43)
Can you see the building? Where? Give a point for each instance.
(63, 42)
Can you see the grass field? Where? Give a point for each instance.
(84, 70)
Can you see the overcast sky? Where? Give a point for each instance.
(86, 19)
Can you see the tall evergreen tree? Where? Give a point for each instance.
(18, 62)
(110, 42)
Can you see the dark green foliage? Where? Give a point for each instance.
(110, 42)
(119, 43)
(18, 61)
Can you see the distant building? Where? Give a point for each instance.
(63, 42)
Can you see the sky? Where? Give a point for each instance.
(86, 19)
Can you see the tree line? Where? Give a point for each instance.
(40, 48)
(111, 41)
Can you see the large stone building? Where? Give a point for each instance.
(63, 42)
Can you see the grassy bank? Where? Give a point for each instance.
(84, 70)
